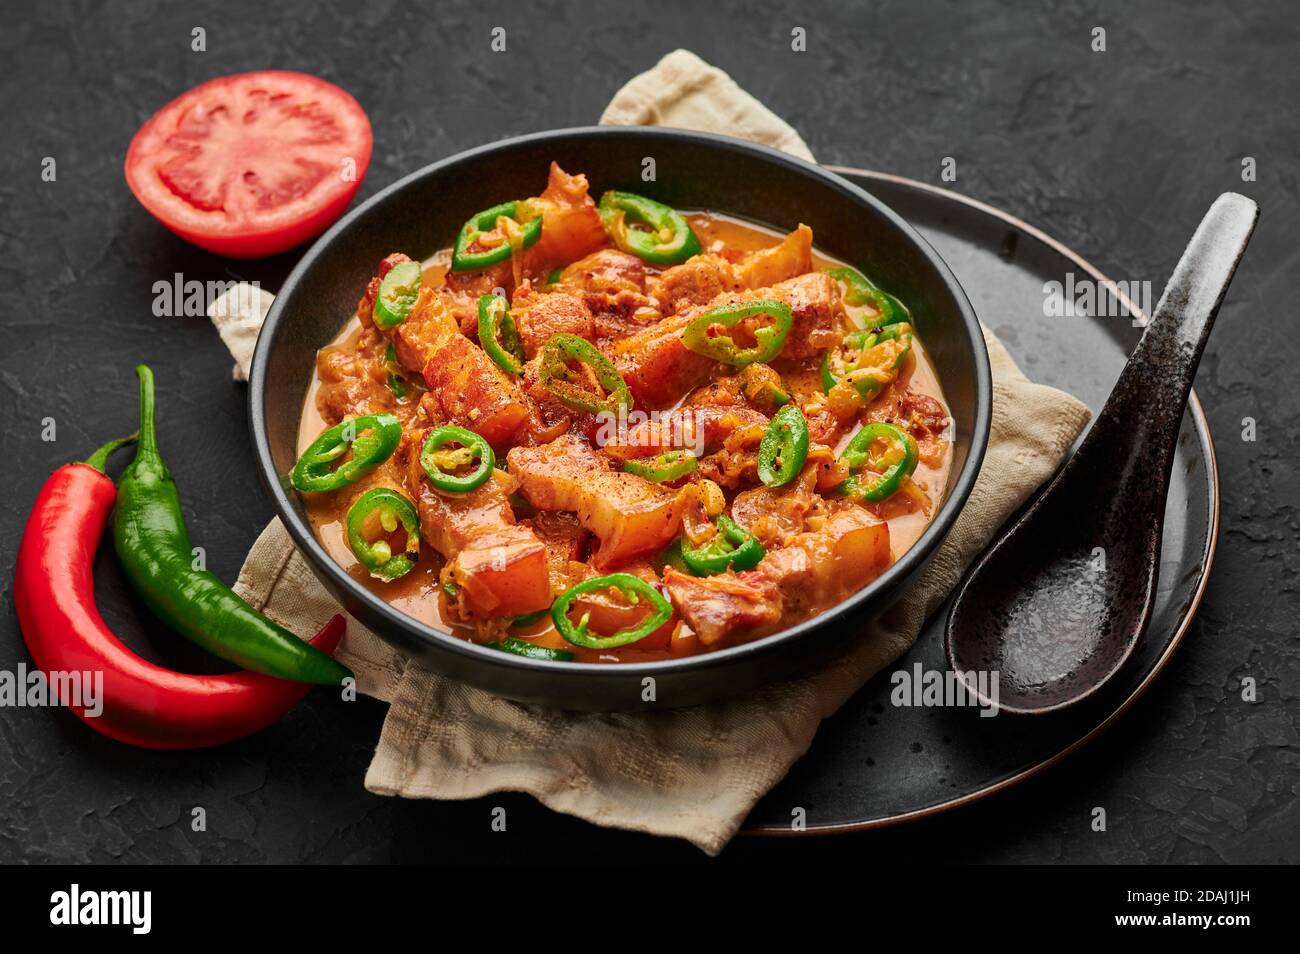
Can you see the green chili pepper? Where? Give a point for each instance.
(672, 556)
(438, 464)
(763, 385)
(784, 448)
(634, 588)
(662, 468)
(397, 294)
(372, 439)
(519, 622)
(730, 547)
(860, 290)
(389, 510)
(451, 589)
(723, 348)
(887, 478)
(554, 277)
(396, 383)
(667, 238)
(498, 335)
(522, 647)
(464, 260)
(553, 373)
(847, 358)
(154, 549)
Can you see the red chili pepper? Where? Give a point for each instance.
(143, 704)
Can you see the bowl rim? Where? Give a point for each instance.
(910, 562)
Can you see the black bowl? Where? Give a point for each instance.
(423, 212)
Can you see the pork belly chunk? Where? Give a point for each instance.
(471, 390)
(725, 605)
(697, 281)
(629, 515)
(500, 566)
(539, 315)
(702, 278)
(571, 226)
(658, 366)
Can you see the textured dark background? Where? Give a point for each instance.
(1117, 153)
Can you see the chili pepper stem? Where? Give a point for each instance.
(148, 446)
(99, 459)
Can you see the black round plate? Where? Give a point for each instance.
(873, 763)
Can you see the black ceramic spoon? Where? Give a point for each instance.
(1057, 604)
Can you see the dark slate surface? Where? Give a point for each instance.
(1117, 153)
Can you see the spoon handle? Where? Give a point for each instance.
(1149, 397)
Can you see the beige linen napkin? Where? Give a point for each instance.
(691, 773)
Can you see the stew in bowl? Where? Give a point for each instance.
(596, 428)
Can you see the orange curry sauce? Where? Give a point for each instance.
(345, 385)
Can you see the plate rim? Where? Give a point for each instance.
(1202, 425)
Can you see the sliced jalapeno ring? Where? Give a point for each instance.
(662, 468)
(398, 291)
(731, 547)
(469, 255)
(633, 588)
(519, 622)
(763, 385)
(768, 338)
(440, 464)
(887, 469)
(554, 375)
(498, 335)
(665, 237)
(860, 290)
(870, 359)
(784, 448)
(672, 556)
(372, 440)
(379, 513)
(522, 647)
(396, 382)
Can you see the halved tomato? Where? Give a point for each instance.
(251, 164)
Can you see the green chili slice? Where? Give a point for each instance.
(672, 556)
(440, 464)
(784, 448)
(662, 468)
(664, 236)
(372, 440)
(519, 622)
(885, 474)
(397, 294)
(468, 255)
(762, 385)
(865, 357)
(860, 290)
(555, 375)
(498, 335)
(522, 647)
(769, 338)
(632, 587)
(731, 547)
(396, 382)
(381, 512)
(554, 277)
